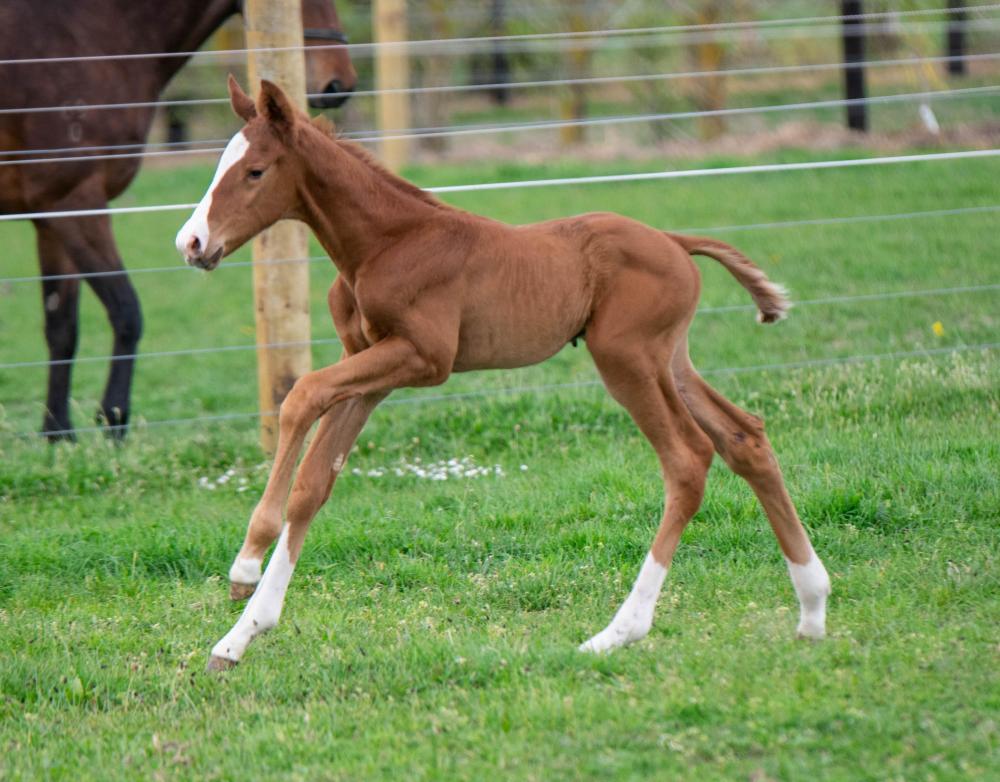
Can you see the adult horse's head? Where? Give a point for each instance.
(255, 184)
(330, 73)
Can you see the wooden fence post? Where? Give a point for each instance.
(852, 26)
(432, 109)
(392, 72)
(573, 102)
(710, 92)
(281, 290)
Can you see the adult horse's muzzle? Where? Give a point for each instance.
(334, 96)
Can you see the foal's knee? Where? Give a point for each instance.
(697, 453)
(297, 409)
(686, 471)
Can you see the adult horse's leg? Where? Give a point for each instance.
(88, 241)
(60, 302)
(641, 382)
(739, 438)
(125, 315)
(352, 387)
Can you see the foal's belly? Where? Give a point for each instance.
(506, 348)
(522, 315)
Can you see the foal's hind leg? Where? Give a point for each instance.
(642, 384)
(740, 440)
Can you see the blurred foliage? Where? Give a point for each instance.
(609, 56)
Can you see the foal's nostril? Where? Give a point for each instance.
(193, 245)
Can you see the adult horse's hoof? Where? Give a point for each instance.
(220, 664)
(56, 431)
(114, 423)
(240, 591)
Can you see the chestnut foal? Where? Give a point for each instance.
(425, 290)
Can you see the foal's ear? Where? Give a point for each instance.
(241, 102)
(274, 106)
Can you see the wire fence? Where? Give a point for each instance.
(826, 300)
(431, 398)
(762, 70)
(583, 180)
(372, 136)
(322, 259)
(924, 20)
(454, 131)
(892, 21)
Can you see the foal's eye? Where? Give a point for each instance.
(256, 173)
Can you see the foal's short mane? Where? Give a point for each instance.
(326, 127)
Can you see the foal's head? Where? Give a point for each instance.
(256, 183)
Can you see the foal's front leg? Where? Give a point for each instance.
(354, 386)
(325, 458)
(323, 462)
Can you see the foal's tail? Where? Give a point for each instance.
(771, 299)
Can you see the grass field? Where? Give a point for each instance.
(431, 628)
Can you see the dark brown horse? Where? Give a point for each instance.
(74, 246)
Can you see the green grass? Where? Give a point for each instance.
(430, 630)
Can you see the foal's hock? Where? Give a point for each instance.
(424, 290)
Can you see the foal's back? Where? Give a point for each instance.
(530, 289)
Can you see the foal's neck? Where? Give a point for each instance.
(357, 208)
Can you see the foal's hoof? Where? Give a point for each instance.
(810, 631)
(220, 664)
(240, 591)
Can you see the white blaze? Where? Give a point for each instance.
(197, 226)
